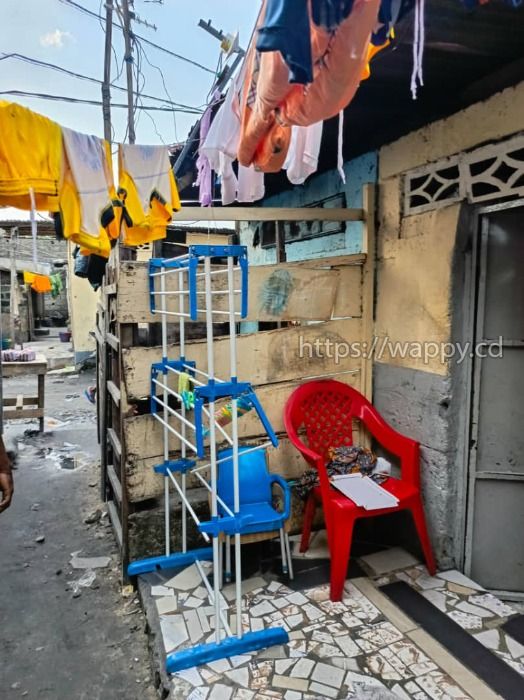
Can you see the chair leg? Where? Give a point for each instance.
(341, 545)
(283, 551)
(309, 514)
(289, 559)
(419, 518)
(228, 558)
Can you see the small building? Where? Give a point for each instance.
(448, 348)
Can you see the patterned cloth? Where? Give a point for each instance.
(343, 460)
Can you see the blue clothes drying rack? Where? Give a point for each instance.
(185, 288)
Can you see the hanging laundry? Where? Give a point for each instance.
(88, 203)
(264, 138)
(251, 186)
(148, 192)
(29, 277)
(205, 176)
(221, 142)
(30, 157)
(417, 78)
(56, 285)
(286, 29)
(91, 267)
(330, 13)
(304, 149)
(81, 263)
(340, 62)
(220, 148)
(39, 283)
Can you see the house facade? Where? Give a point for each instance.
(448, 318)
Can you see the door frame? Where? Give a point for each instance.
(476, 294)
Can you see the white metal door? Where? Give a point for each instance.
(495, 522)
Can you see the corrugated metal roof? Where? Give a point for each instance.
(10, 215)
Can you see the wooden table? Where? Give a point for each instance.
(26, 406)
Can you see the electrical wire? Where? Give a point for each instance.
(80, 76)
(144, 55)
(90, 13)
(79, 100)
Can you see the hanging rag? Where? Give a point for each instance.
(91, 267)
(304, 149)
(81, 263)
(38, 283)
(340, 147)
(30, 157)
(220, 148)
(95, 270)
(87, 195)
(205, 175)
(417, 77)
(56, 285)
(148, 192)
(184, 389)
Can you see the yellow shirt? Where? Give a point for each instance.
(30, 157)
(148, 192)
(87, 194)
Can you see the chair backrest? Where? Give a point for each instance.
(254, 477)
(325, 410)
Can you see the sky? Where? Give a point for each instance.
(60, 34)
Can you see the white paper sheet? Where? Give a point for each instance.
(364, 491)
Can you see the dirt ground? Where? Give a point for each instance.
(60, 639)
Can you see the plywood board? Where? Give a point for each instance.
(348, 299)
(276, 293)
(144, 434)
(285, 354)
(143, 483)
(207, 238)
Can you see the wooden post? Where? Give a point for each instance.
(368, 285)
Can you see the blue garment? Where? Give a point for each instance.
(330, 13)
(81, 263)
(286, 29)
(390, 12)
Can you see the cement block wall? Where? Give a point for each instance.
(418, 297)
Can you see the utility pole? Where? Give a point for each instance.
(106, 89)
(127, 15)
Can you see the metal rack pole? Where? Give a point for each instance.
(165, 432)
(212, 445)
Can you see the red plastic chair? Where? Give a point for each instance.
(322, 412)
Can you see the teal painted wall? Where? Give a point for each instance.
(358, 172)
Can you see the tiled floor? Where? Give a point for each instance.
(476, 611)
(353, 649)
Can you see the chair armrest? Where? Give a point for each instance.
(276, 479)
(398, 444)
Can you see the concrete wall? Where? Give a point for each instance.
(420, 288)
(82, 303)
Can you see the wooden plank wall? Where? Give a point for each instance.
(326, 299)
